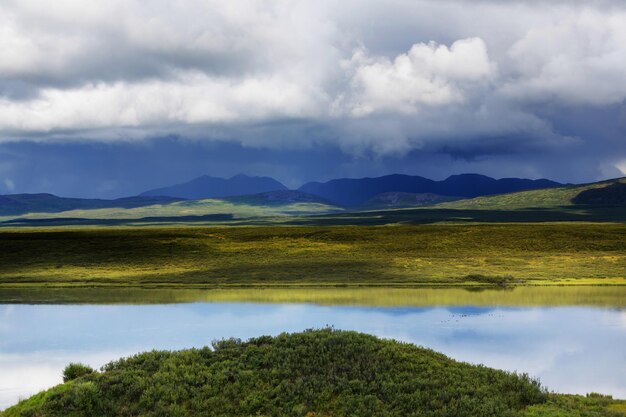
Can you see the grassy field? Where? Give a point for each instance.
(199, 257)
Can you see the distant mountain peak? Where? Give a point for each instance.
(469, 175)
(206, 186)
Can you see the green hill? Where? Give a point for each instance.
(243, 207)
(18, 204)
(315, 373)
(549, 198)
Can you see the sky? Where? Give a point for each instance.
(108, 98)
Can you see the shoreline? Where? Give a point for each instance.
(520, 296)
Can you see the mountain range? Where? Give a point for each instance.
(387, 191)
(599, 201)
(354, 192)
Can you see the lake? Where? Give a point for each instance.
(572, 338)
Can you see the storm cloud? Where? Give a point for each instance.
(373, 79)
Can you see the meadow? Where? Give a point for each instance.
(392, 256)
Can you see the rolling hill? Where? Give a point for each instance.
(354, 192)
(603, 193)
(16, 204)
(264, 205)
(615, 193)
(213, 187)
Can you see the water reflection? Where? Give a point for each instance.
(571, 349)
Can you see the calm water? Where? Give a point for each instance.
(575, 349)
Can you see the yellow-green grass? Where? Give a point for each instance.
(205, 257)
(189, 208)
(576, 295)
(591, 405)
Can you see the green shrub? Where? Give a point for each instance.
(314, 373)
(76, 370)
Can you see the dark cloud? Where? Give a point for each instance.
(526, 87)
(108, 170)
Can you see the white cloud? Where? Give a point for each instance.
(429, 74)
(579, 59)
(192, 98)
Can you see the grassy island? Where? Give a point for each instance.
(314, 373)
